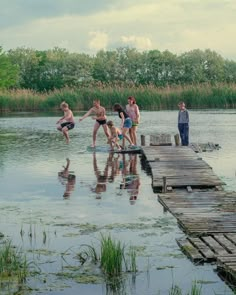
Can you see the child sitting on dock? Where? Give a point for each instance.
(115, 136)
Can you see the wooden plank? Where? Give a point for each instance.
(226, 243)
(203, 248)
(231, 237)
(214, 245)
(189, 249)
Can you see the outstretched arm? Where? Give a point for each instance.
(86, 115)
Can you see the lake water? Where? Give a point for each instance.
(50, 215)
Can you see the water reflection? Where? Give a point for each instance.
(103, 176)
(130, 176)
(67, 179)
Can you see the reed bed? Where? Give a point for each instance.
(13, 264)
(195, 290)
(148, 97)
(111, 257)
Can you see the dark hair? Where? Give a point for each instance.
(117, 107)
(132, 99)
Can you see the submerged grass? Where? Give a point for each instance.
(149, 97)
(195, 290)
(13, 264)
(111, 257)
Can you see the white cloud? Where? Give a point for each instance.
(141, 43)
(175, 25)
(98, 41)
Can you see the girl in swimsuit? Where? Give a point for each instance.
(134, 114)
(126, 124)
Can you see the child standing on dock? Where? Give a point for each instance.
(183, 124)
(126, 124)
(67, 122)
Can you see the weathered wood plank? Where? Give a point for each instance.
(203, 248)
(226, 243)
(214, 245)
(190, 250)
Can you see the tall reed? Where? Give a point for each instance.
(149, 97)
(13, 263)
(112, 255)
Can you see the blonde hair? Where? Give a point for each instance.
(110, 123)
(64, 105)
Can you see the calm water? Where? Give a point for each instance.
(48, 213)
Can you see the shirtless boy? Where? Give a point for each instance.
(67, 122)
(100, 117)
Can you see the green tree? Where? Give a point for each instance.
(8, 71)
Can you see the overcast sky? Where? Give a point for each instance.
(90, 25)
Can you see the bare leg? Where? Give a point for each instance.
(106, 130)
(134, 134)
(125, 136)
(131, 134)
(95, 130)
(66, 134)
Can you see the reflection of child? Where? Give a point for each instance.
(67, 179)
(131, 180)
(67, 121)
(115, 136)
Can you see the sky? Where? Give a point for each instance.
(87, 26)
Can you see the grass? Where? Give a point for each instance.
(149, 97)
(13, 264)
(111, 257)
(195, 290)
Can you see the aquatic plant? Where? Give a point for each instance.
(195, 290)
(175, 290)
(132, 255)
(149, 97)
(112, 255)
(13, 264)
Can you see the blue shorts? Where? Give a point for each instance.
(127, 123)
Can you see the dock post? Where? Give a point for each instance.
(176, 139)
(142, 140)
(164, 185)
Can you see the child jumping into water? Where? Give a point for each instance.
(67, 121)
(115, 136)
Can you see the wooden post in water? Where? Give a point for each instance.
(142, 140)
(176, 139)
(164, 185)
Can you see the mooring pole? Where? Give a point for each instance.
(164, 184)
(142, 140)
(176, 139)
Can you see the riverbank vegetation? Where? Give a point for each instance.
(148, 97)
(33, 80)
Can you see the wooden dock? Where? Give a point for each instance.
(189, 189)
(180, 166)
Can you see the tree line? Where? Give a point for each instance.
(46, 70)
